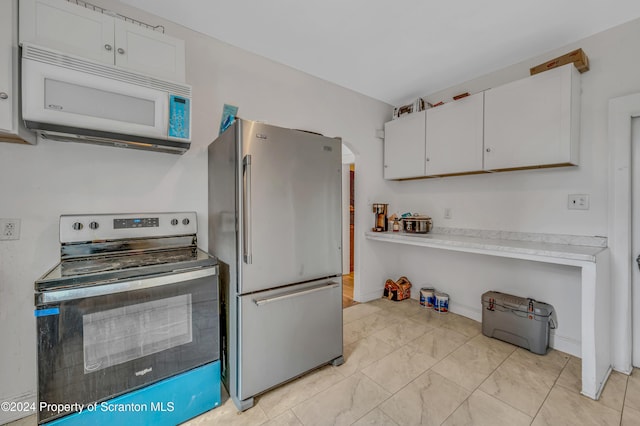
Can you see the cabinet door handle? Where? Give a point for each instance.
(121, 50)
(3, 96)
(107, 47)
(488, 149)
(428, 159)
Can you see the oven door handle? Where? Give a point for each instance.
(63, 295)
(289, 295)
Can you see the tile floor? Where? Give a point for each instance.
(409, 366)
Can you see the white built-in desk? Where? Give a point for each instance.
(563, 250)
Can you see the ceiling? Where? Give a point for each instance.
(398, 50)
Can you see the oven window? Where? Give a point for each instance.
(123, 334)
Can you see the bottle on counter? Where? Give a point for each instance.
(396, 225)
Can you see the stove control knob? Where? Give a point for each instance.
(78, 226)
(174, 222)
(185, 221)
(94, 225)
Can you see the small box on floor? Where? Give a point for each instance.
(517, 320)
(397, 290)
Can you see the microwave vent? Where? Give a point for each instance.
(36, 53)
(142, 144)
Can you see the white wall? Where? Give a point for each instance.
(525, 201)
(39, 183)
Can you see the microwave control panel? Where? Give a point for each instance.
(179, 117)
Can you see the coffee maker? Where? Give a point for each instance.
(380, 212)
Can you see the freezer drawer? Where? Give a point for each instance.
(286, 332)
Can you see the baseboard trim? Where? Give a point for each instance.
(372, 295)
(565, 344)
(26, 399)
(558, 342)
(466, 311)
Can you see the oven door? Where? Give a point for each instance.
(100, 341)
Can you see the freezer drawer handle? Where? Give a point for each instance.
(326, 286)
(246, 162)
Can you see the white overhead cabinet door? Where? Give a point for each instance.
(533, 122)
(141, 49)
(76, 30)
(404, 147)
(454, 136)
(12, 127)
(67, 27)
(6, 67)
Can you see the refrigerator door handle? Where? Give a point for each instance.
(246, 222)
(325, 286)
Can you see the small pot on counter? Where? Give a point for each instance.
(417, 224)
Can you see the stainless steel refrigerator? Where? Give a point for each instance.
(275, 226)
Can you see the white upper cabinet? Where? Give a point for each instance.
(454, 136)
(533, 122)
(530, 123)
(404, 147)
(11, 126)
(6, 67)
(76, 30)
(155, 53)
(67, 27)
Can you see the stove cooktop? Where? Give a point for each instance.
(95, 270)
(117, 262)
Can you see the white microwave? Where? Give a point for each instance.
(69, 98)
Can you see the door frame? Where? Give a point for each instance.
(354, 159)
(621, 112)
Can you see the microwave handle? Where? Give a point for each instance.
(164, 114)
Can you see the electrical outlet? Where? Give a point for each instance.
(447, 213)
(9, 229)
(578, 202)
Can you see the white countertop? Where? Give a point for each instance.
(552, 252)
